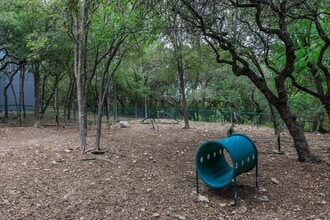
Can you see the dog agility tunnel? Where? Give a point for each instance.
(219, 162)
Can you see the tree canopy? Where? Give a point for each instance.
(249, 56)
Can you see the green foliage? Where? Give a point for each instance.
(306, 106)
(133, 33)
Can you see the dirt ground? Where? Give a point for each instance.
(150, 174)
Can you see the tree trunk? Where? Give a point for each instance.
(280, 102)
(323, 96)
(100, 104)
(68, 102)
(70, 98)
(102, 95)
(82, 116)
(79, 61)
(295, 128)
(136, 107)
(6, 87)
(21, 93)
(5, 101)
(115, 104)
(106, 106)
(99, 124)
(241, 64)
(145, 107)
(277, 129)
(180, 67)
(36, 76)
(42, 102)
(183, 94)
(327, 106)
(297, 132)
(56, 107)
(5, 98)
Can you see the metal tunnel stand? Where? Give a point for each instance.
(214, 169)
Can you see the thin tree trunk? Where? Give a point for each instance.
(56, 107)
(136, 107)
(79, 61)
(82, 117)
(5, 97)
(42, 102)
(100, 104)
(277, 130)
(6, 87)
(70, 98)
(106, 106)
(145, 107)
(99, 123)
(183, 95)
(103, 90)
(21, 93)
(36, 76)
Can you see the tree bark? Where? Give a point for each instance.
(21, 93)
(241, 63)
(98, 126)
(327, 107)
(69, 100)
(5, 96)
(80, 27)
(100, 104)
(56, 107)
(176, 37)
(36, 76)
(183, 93)
(102, 95)
(6, 87)
(297, 132)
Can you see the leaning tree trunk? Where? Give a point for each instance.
(297, 132)
(241, 64)
(281, 104)
(103, 90)
(100, 104)
(6, 87)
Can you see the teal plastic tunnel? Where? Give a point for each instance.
(221, 161)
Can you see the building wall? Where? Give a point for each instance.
(28, 92)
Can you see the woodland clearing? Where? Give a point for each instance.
(150, 174)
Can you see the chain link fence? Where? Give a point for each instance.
(65, 117)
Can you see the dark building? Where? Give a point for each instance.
(13, 92)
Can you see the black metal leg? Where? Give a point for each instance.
(257, 180)
(197, 190)
(235, 192)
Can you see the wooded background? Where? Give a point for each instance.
(258, 56)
